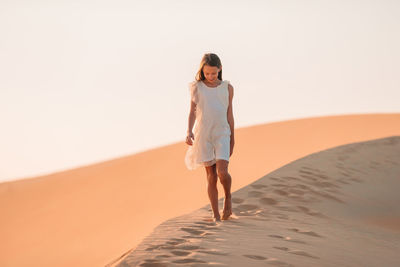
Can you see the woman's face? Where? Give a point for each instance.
(211, 73)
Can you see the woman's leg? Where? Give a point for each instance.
(226, 181)
(212, 179)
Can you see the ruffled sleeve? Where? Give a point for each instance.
(193, 92)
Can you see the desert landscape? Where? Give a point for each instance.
(310, 180)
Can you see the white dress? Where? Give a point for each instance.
(211, 130)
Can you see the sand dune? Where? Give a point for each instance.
(315, 211)
(91, 215)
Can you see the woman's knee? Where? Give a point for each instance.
(212, 178)
(222, 169)
(223, 174)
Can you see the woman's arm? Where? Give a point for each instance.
(230, 117)
(191, 120)
(192, 116)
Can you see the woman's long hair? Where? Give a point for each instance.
(212, 60)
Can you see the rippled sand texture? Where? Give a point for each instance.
(337, 207)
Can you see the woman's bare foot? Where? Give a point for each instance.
(217, 218)
(227, 208)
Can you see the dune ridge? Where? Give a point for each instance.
(314, 211)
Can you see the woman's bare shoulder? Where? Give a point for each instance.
(228, 82)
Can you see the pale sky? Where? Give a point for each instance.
(87, 81)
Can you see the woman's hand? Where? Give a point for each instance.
(232, 145)
(189, 138)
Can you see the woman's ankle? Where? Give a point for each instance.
(217, 219)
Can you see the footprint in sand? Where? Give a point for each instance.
(255, 194)
(209, 219)
(268, 201)
(288, 238)
(237, 200)
(302, 186)
(306, 172)
(189, 260)
(172, 243)
(180, 252)
(163, 256)
(205, 227)
(311, 233)
(276, 236)
(258, 186)
(168, 247)
(308, 177)
(153, 263)
(282, 248)
(151, 260)
(193, 236)
(289, 178)
(297, 252)
(206, 223)
(211, 228)
(309, 168)
(281, 192)
(192, 231)
(279, 185)
(322, 176)
(308, 211)
(175, 241)
(302, 253)
(325, 184)
(153, 247)
(242, 213)
(254, 257)
(315, 173)
(188, 247)
(246, 207)
(276, 262)
(260, 219)
(213, 252)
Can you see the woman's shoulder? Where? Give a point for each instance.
(193, 83)
(193, 86)
(227, 82)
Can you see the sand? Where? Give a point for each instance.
(91, 216)
(315, 211)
